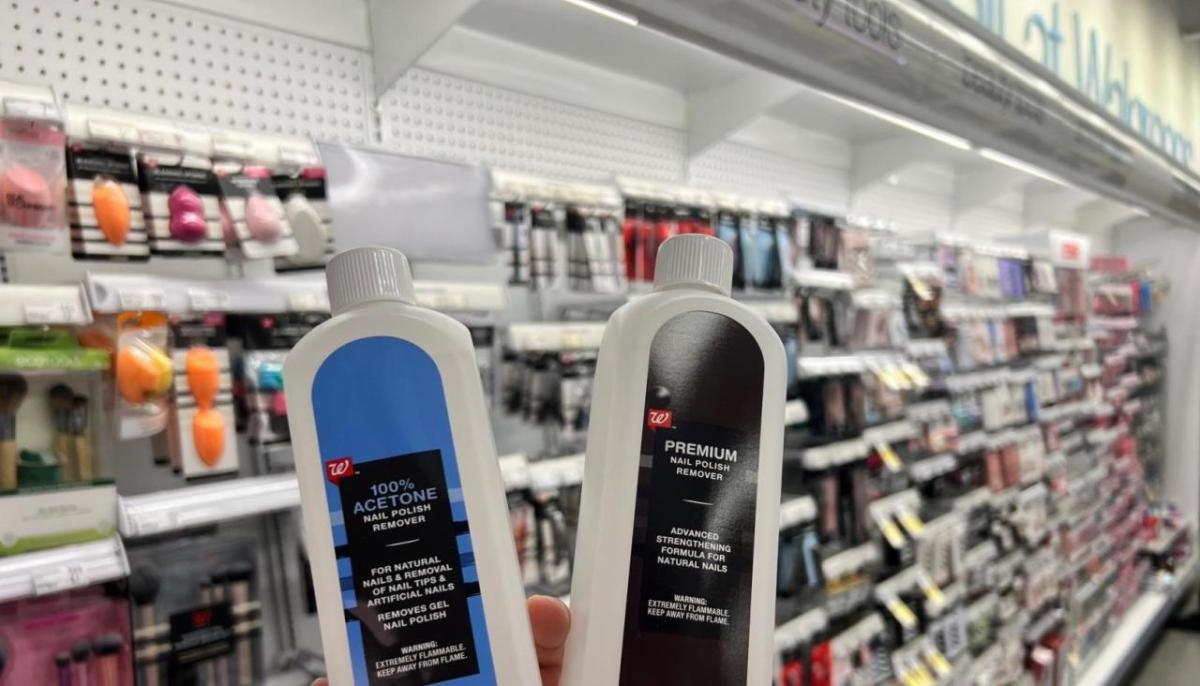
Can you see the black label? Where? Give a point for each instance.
(410, 594)
(280, 331)
(312, 188)
(199, 634)
(207, 330)
(88, 164)
(242, 186)
(164, 178)
(687, 617)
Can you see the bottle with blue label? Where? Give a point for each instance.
(404, 509)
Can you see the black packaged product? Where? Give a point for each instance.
(105, 206)
(824, 243)
(729, 230)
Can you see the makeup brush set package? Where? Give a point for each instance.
(200, 439)
(253, 222)
(181, 203)
(32, 170)
(55, 439)
(306, 208)
(74, 638)
(197, 616)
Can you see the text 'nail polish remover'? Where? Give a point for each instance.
(404, 508)
(674, 574)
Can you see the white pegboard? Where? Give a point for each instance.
(434, 115)
(742, 167)
(148, 57)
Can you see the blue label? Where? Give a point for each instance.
(409, 584)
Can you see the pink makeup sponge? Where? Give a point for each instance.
(187, 215)
(262, 221)
(25, 196)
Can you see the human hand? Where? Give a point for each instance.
(550, 621)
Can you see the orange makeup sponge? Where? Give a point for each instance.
(208, 433)
(143, 372)
(112, 210)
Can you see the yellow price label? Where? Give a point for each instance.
(886, 378)
(923, 675)
(902, 613)
(932, 591)
(890, 459)
(939, 662)
(892, 533)
(920, 287)
(918, 375)
(909, 678)
(911, 522)
(899, 379)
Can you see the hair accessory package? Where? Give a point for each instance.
(32, 170)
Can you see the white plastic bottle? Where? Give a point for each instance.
(404, 508)
(674, 574)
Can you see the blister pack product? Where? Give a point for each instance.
(260, 344)
(32, 175)
(259, 226)
(306, 209)
(197, 616)
(143, 369)
(75, 637)
(594, 262)
(181, 206)
(201, 437)
(56, 441)
(105, 205)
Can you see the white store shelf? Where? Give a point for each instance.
(797, 511)
(795, 412)
(62, 569)
(1137, 631)
(182, 508)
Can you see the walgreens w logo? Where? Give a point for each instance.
(659, 419)
(338, 469)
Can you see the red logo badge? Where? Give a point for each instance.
(659, 419)
(201, 618)
(338, 469)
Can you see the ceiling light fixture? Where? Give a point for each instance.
(904, 122)
(605, 11)
(1008, 161)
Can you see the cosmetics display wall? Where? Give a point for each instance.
(975, 445)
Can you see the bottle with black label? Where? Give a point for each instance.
(675, 560)
(405, 513)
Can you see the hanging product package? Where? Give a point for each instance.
(142, 367)
(306, 208)
(252, 217)
(179, 199)
(56, 483)
(32, 173)
(200, 439)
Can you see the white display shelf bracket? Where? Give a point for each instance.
(62, 569)
(183, 508)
